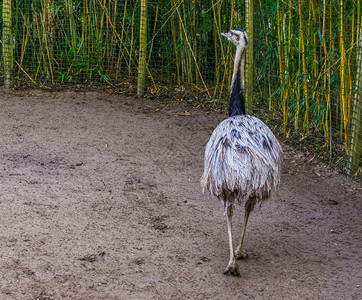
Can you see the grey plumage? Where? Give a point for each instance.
(243, 157)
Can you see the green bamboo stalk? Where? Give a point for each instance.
(304, 66)
(83, 43)
(195, 49)
(192, 52)
(354, 158)
(316, 74)
(269, 80)
(216, 33)
(120, 40)
(114, 40)
(72, 24)
(100, 29)
(189, 62)
(329, 73)
(326, 78)
(219, 84)
(25, 38)
(281, 64)
(174, 33)
(7, 43)
(47, 34)
(40, 37)
(131, 52)
(249, 58)
(296, 114)
(288, 67)
(142, 50)
(358, 21)
(153, 35)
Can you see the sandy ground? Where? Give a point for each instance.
(100, 199)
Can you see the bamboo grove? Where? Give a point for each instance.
(317, 53)
(305, 53)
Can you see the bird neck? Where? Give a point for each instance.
(237, 98)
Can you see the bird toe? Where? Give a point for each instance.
(239, 254)
(232, 269)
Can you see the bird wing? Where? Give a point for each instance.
(242, 156)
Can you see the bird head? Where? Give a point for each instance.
(238, 37)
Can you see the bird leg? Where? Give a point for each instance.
(239, 254)
(249, 206)
(232, 268)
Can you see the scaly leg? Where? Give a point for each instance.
(232, 268)
(239, 254)
(249, 206)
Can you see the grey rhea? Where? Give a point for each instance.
(243, 157)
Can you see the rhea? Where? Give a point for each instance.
(242, 158)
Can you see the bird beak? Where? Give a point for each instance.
(227, 35)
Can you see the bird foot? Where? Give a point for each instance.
(232, 269)
(239, 254)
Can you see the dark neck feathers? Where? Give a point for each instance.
(237, 99)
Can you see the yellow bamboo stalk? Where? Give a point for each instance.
(229, 45)
(142, 50)
(342, 74)
(7, 42)
(304, 66)
(131, 51)
(296, 114)
(349, 78)
(289, 54)
(25, 39)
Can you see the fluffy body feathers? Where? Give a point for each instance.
(242, 160)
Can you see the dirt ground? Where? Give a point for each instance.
(100, 199)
